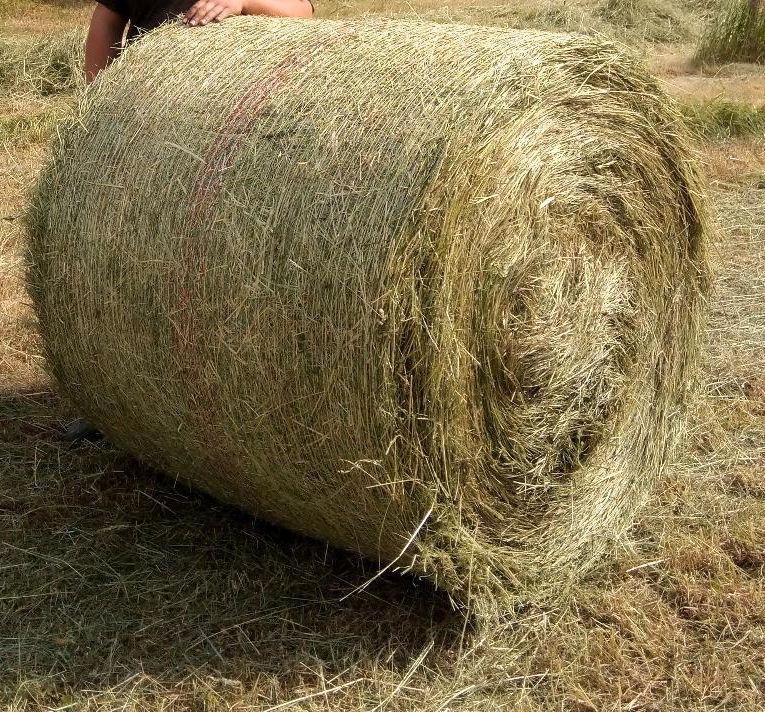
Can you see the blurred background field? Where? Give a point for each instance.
(121, 590)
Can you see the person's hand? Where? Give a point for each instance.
(204, 11)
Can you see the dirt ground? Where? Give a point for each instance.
(120, 590)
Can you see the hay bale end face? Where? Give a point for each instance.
(427, 292)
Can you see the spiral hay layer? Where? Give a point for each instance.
(428, 292)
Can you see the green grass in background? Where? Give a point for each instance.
(723, 118)
(735, 33)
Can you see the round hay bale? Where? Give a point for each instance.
(427, 292)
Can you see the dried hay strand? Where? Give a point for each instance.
(735, 33)
(428, 292)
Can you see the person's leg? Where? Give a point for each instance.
(104, 39)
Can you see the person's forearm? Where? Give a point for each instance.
(278, 8)
(103, 41)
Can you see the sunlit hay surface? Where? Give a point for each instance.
(42, 65)
(431, 293)
(736, 32)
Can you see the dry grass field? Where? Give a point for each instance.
(120, 590)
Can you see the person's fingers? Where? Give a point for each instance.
(212, 12)
(191, 12)
(194, 15)
(203, 10)
(226, 12)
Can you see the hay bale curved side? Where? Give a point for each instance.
(428, 292)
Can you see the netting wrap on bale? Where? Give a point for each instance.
(428, 292)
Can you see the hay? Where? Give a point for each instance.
(428, 292)
(735, 33)
(49, 66)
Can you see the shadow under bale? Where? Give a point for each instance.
(109, 570)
